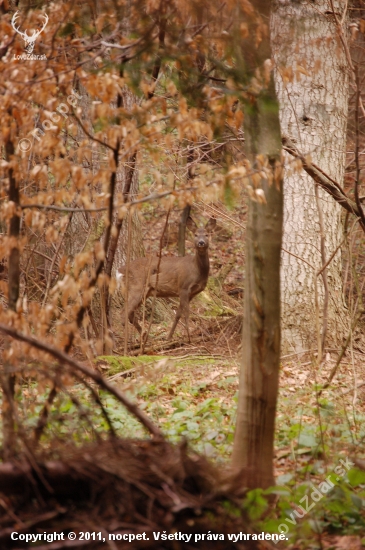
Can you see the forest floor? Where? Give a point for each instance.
(195, 396)
(190, 392)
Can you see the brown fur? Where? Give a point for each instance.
(182, 277)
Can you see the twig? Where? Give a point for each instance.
(359, 385)
(296, 353)
(339, 25)
(64, 358)
(129, 174)
(332, 255)
(98, 402)
(62, 208)
(54, 260)
(357, 147)
(5, 533)
(101, 262)
(42, 420)
(161, 39)
(324, 181)
(144, 340)
(148, 198)
(58, 385)
(119, 46)
(298, 257)
(343, 350)
(129, 237)
(8, 380)
(323, 273)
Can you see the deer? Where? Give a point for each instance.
(169, 276)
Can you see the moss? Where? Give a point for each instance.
(196, 360)
(214, 305)
(112, 364)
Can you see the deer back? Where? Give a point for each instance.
(170, 275)
(176, 274)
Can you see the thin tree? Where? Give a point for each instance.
(254, 438)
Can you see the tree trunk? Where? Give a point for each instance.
(7, 376)
(127, 188)
(254, 438)
(312, 88)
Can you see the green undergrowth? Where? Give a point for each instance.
(180, 396)
(195, 398)
(113, 364)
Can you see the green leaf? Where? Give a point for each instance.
(284, 478)
(255, 504)
(356, 477)
(277, 490)
(307, 440)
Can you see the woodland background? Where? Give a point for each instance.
(142, 113)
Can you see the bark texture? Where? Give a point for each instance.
(312, 88)
(254, 438)
(7, 378)
(127, 187)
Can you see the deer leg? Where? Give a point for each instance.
(182, 309)
(131, 306)
(176, 320)
(186, 316)
(132, 319)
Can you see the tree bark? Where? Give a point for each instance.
(312, 87)
(7, 377)
(254, 438)
(126, 187)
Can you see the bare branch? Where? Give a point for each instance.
(63, 208)
(323, 180)
(64, 358)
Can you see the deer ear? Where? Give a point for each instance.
(211, 225)
(191, 225)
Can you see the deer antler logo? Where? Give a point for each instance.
(29, 40)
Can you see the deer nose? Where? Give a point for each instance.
(201, 242)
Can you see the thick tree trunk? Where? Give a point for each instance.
(254, 438)
(312, 88)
